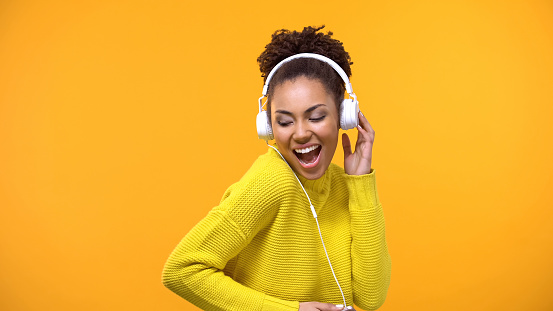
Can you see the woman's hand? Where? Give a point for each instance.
(319, 306)
(359, 162)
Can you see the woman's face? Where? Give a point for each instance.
(305, 125)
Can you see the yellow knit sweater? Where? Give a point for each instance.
(260, 248)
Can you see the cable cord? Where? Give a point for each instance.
(316, 220)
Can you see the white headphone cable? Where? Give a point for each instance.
(316, 220)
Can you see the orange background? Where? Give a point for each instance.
(123, 122)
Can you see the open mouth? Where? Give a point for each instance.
(308, 157)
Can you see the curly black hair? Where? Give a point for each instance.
(285, 43)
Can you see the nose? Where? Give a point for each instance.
(302, 133)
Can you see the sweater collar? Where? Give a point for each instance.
(319, 185)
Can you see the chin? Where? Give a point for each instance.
(312, 176)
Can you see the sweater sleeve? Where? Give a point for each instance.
(194, 270)
(371, 263)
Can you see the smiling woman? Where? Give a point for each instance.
(260, 248)
(305, 125)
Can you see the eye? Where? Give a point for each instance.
(283, 123)
(318, 119)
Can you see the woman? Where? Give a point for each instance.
(261, 249)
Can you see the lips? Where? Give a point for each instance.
(309, 156)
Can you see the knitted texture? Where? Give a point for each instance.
(260, 249)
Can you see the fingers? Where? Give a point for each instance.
(346, 144)
(364, 123)
(329, 307)
(365, 130)
(319, 306)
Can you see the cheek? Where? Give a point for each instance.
(282, 136)
(328, 130)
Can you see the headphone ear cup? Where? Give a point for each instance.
(349, 114)
(264, 130)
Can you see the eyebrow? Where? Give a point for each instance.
(306, 111)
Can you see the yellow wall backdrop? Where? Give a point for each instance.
(123, 122)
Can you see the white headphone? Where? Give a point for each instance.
(349, 108)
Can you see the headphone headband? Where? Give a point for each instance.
(322, 58)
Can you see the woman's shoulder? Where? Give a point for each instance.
(260, 192)
(268, 174)
(338, 177)
(336, 170)
(270, 171)
(337, 173)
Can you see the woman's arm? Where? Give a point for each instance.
(194, 270)
(371, 263)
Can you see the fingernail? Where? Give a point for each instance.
(361, 113)
(339, 306)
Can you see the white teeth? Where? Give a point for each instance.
(308, 149)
